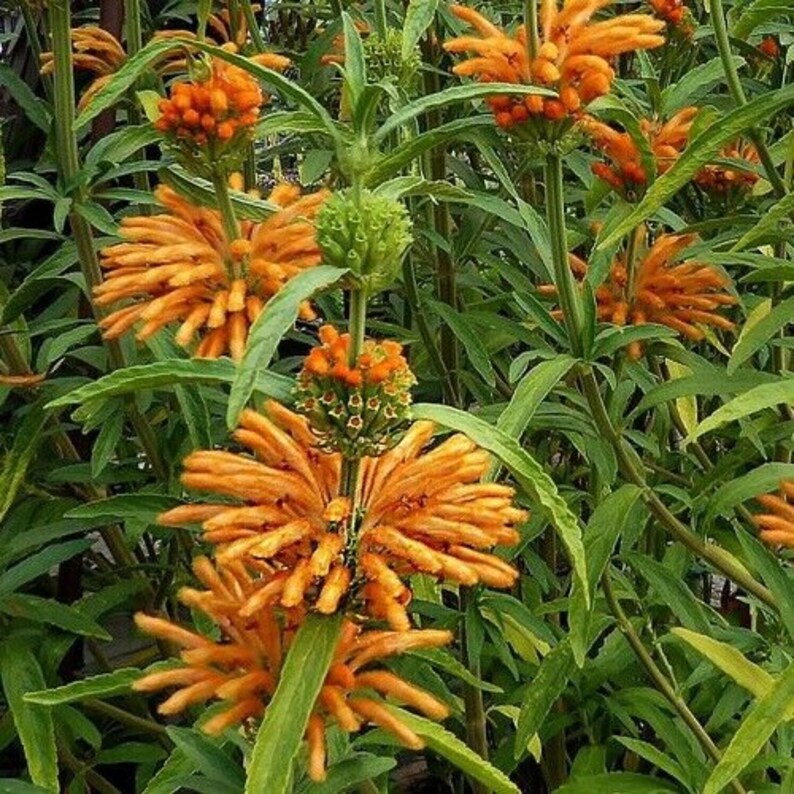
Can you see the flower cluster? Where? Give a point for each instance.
(369, 234)
(721, 179)
(416, 510)
(777, 525)
(242, 668)
(358, 408)
(216, 111)
(672, 11)
(683, 296)
(572, 57)
(178, 267)
(627, 174)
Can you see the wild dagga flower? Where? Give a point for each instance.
(721, 179)
(777, 526)
(573, 57)
(212, 114)
(95, 51)
(360, 409)
(627, 174)
(683, 296)
(417, 509)
(178, 267)
(242, 667)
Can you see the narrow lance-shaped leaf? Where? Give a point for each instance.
(21, 673)
(757, 726)
(446, 744)
(767, 395)
(275, 320)
(286, 717)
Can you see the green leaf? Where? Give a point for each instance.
(763, 479)
(452, 96)
(281, 732)
(35, 109)
(774, 575)
(96, 686)
(46, 610)
(40, 563)
(654, 756)
(143, 507)
(755, 337)
(759, 723)
(694, 84)
(8, 786)
(469, 339)
(418, 17)
(15, 466)
(445, 661)
(530, 392)
(275, 320)
(349, 772)
(166, 375)
(733, 663)
(355, 67)
(207, 757)
(767, 395)
(699, 152)
(605, 526)
(21, 673)
(527, 471)
(672, 591)
(769, 226)
(544, 691)
(756, 13)
(446, 744)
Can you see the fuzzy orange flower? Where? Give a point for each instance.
(627, 175)
(416, 510)
(777, 526)
(242, 668)
(573, 56)
(672, 11)
(95, 51)
(722, 179)
(178, 267)
(683, 296)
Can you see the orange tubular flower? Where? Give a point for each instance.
(95, 51)
(242, 668)
(177, 267)
(417, 511)
(672, 11)
(573, 56)
(626, 175)
(721, 179)
(777, 526)
(682, 296)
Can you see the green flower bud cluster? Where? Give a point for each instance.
(369, 235)
(384, 58)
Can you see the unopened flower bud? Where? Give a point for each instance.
(369, 236)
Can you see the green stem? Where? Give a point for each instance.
(632, 469)
(69, 165)
(737, 93)
(568, 293)
(658, 678)
(533, 34)
(253, 26)
(127, 719)
(132, 26)
(231, 229)
(380, 18)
